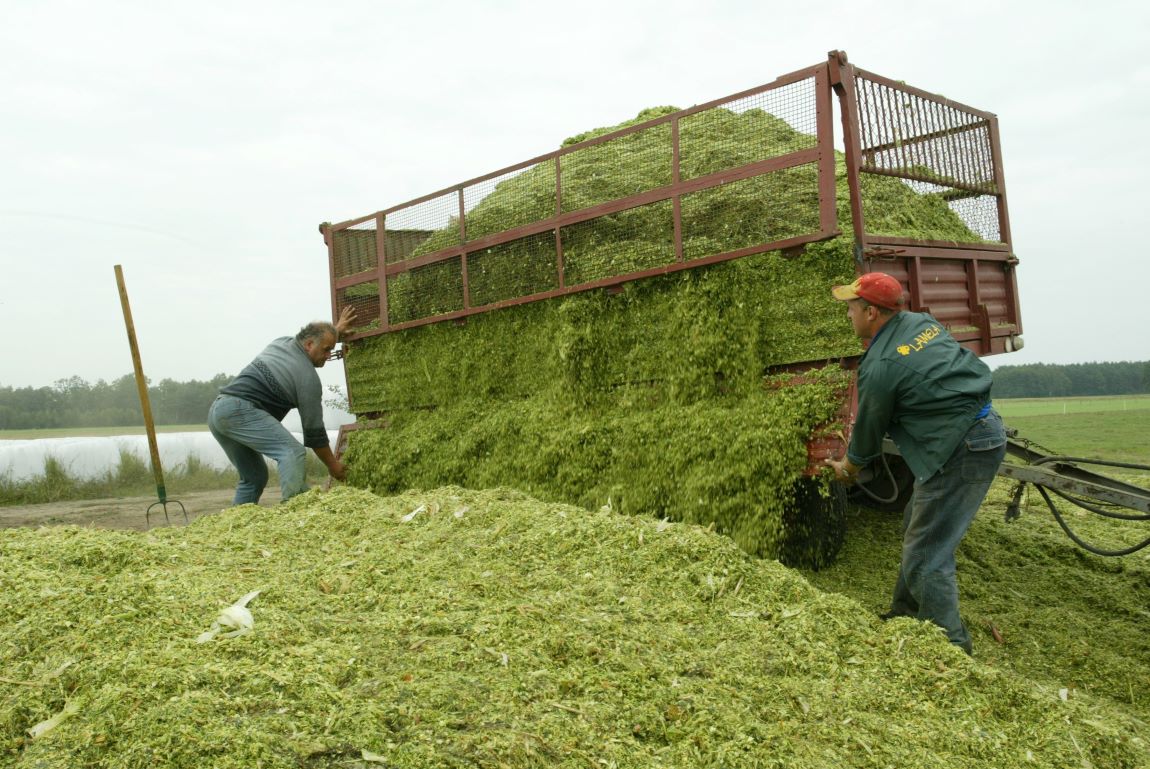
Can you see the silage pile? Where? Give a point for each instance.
(482, 629)
(652, 399)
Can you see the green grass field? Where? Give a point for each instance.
(1113, 429)
(1031, 407)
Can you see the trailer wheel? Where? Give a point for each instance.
(814, 523)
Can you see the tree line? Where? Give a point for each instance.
(76, 403)
(1049, 380)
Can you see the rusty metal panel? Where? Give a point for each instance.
(971, 292)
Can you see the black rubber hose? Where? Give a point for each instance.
(1082, 543)
(893, 483)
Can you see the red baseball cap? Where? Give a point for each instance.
(878, 288)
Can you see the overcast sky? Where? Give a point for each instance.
(200, 144)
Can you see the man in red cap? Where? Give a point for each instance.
(932, 396)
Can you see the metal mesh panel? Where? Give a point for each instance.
(616, 244)
(434, 289)
(364, 297)
(979, 213)
(940, 213)
(354, 249)
(510, 270)
(756, 127)
(438, 216)
(937, 150)
(511, 200)
(630, 164)
(752, 212)
(923, 139)
(402, 244)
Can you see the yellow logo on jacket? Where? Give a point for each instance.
(920, 341)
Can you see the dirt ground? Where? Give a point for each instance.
(125, 512)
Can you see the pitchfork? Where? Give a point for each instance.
(142, 386)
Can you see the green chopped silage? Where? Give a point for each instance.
(727, 217)
(730, 461)
(652, 397)
(485, 629)
(693, 335)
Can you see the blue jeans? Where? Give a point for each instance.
(247, 434)
(934, 522)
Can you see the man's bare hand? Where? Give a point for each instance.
(845, 470)
(346, 318)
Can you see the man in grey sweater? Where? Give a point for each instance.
(246, 416)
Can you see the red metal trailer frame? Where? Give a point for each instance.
(934, 144)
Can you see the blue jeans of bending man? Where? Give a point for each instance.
(935, 521)
(248, 434)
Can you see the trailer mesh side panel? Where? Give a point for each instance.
(509, 270)
(629, 241)
(789, 203)
(980, 213)
(936, 148)
(637, 162)
(438, 216)
(526, 195)
(364, 298)
(723, 180)
(354, 249)
(766, 125)
(434, 289)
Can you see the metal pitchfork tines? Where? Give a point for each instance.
(142, 386)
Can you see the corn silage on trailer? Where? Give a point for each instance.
(642, 317)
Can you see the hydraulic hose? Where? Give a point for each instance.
(1014, 506)
(893, 482)
(1082, 543)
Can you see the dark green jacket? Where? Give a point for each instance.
(919, 385)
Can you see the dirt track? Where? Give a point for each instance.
(124, 512)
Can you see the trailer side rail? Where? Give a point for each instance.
(443, 256)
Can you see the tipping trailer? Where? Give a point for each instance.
(434, 259)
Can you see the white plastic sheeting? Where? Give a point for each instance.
(87, 458)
